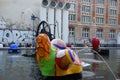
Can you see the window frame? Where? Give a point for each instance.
(86, 19)
(112, 34)
(99, 33)
(85, 33)
(72, 17)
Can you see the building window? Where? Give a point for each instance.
(86, 0)
(86, 19)
(113, 2)
(112, 21)
(71, 32)
(100, 1)
(72, 17)
(86, 8)
(113, 12)
(72, 7)
(85, 33)
(71, 35)
(99, 33)
(99, 20)
(99, 10)
(112, 34)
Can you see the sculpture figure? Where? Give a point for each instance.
(55, 60)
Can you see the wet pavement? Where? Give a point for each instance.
(14, 66)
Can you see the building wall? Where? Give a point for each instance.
(106, 27)
(119, 12)
(19, 11)
(18, 36)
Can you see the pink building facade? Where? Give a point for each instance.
(94, 18)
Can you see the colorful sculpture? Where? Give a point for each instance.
(55, 59)
(95, 44)
(14, 48)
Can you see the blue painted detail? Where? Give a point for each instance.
(14, 48)
(59, 46)
(71, 55)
